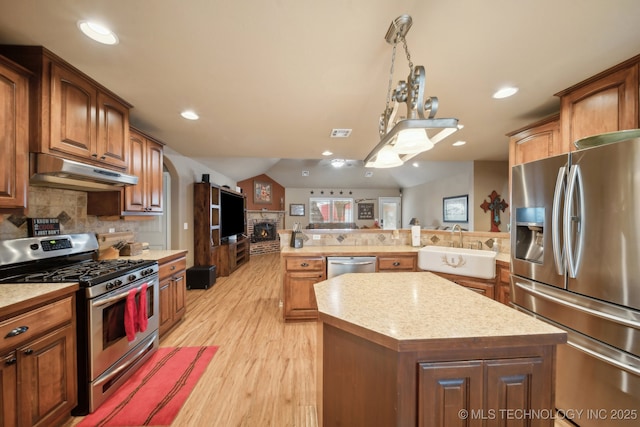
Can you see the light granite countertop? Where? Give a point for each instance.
(155, 255)
(362, 250)
(15, 295)
(407, 307)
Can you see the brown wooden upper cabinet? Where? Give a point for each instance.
(536, 141)
(14, 135)
(607, 102)
(144, 198)
(71, 115)
(146, 164)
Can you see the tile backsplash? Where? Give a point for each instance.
(370, 237)
(69, 206)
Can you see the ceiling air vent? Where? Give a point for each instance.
(305, 173)
(340, 133)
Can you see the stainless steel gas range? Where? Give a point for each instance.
(117, 306)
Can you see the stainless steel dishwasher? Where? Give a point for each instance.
(337, 265)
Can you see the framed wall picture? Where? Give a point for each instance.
(455, 209)
(261, 192)
(296, 210)
(365, 211)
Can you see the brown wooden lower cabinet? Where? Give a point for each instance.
(300, 274)
(173, 288)
(484, 287)
(448, 383)
(38, 385)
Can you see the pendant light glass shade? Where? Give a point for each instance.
(412, 141)
(386, 158)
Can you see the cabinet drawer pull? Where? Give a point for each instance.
(28, 351)
(173, 267)
(304, 264)
(396, 263)
(17, 331)
(10, 361)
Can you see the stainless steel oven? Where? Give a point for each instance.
(117, 306)
(112, 354)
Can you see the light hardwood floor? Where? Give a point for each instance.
(264, 371)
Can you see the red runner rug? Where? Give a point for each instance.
(156, 392)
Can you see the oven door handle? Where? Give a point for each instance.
(100, 303)
(124, 365)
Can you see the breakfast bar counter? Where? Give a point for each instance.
(415, 349)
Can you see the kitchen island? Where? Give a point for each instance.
(415, 349)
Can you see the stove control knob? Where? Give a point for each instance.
(132, 277)
(110, 286)
(117, 282)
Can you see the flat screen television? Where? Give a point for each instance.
(232, 214)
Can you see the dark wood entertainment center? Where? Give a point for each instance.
(210, 247)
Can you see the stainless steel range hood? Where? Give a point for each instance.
(52, 171)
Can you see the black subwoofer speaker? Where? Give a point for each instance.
(201, 277)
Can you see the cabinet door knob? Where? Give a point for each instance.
(173, 267)
(396, 263)
(28, 351)
(17, 331)
(10, 361)
(304, 264)
(94, 155)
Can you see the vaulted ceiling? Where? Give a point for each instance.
(271, 79)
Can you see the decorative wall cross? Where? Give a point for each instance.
(495, 205)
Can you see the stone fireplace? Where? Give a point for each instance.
(262, 228)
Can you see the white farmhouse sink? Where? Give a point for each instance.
(460, 261)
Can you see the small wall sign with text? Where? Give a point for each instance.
(365, 210)
(43, 226)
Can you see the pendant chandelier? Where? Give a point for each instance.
(404, 137)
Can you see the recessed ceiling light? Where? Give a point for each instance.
(190, 115)
(459, 143)
(415, 164)
(340, 133)
(505, 92)
(98, 32)
(327, 153)
(305, 173)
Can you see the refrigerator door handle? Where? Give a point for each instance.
(556, 245)
(618, 364)
(600, 314)
(573, 249)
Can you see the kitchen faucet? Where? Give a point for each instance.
(453, 229)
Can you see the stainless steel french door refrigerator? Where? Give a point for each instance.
(575, 260)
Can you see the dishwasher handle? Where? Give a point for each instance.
(351, 262)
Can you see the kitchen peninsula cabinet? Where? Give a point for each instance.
(173, 288)
(399, 353)
(72, 115)
(14, 135)
(300, 274)
(38, 355)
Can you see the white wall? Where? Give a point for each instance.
(424, 201)
(184, 173)
(477, 179)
